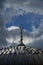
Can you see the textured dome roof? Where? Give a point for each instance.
(29, 56)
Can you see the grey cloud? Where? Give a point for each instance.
(36, 3)
(38, 37)
(1, 3)
(24, 4)
(37, 44)
(37, 32)
(3, 35)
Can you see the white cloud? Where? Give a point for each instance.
(27, 40)
(12, 28)
(10, 40)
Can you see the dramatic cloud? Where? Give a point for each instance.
(11, 8)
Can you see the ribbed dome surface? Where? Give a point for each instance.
(24, 56)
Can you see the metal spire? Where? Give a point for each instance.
(21, 31)
(21, 36)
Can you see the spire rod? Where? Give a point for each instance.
(21, 28)
(21, 36)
